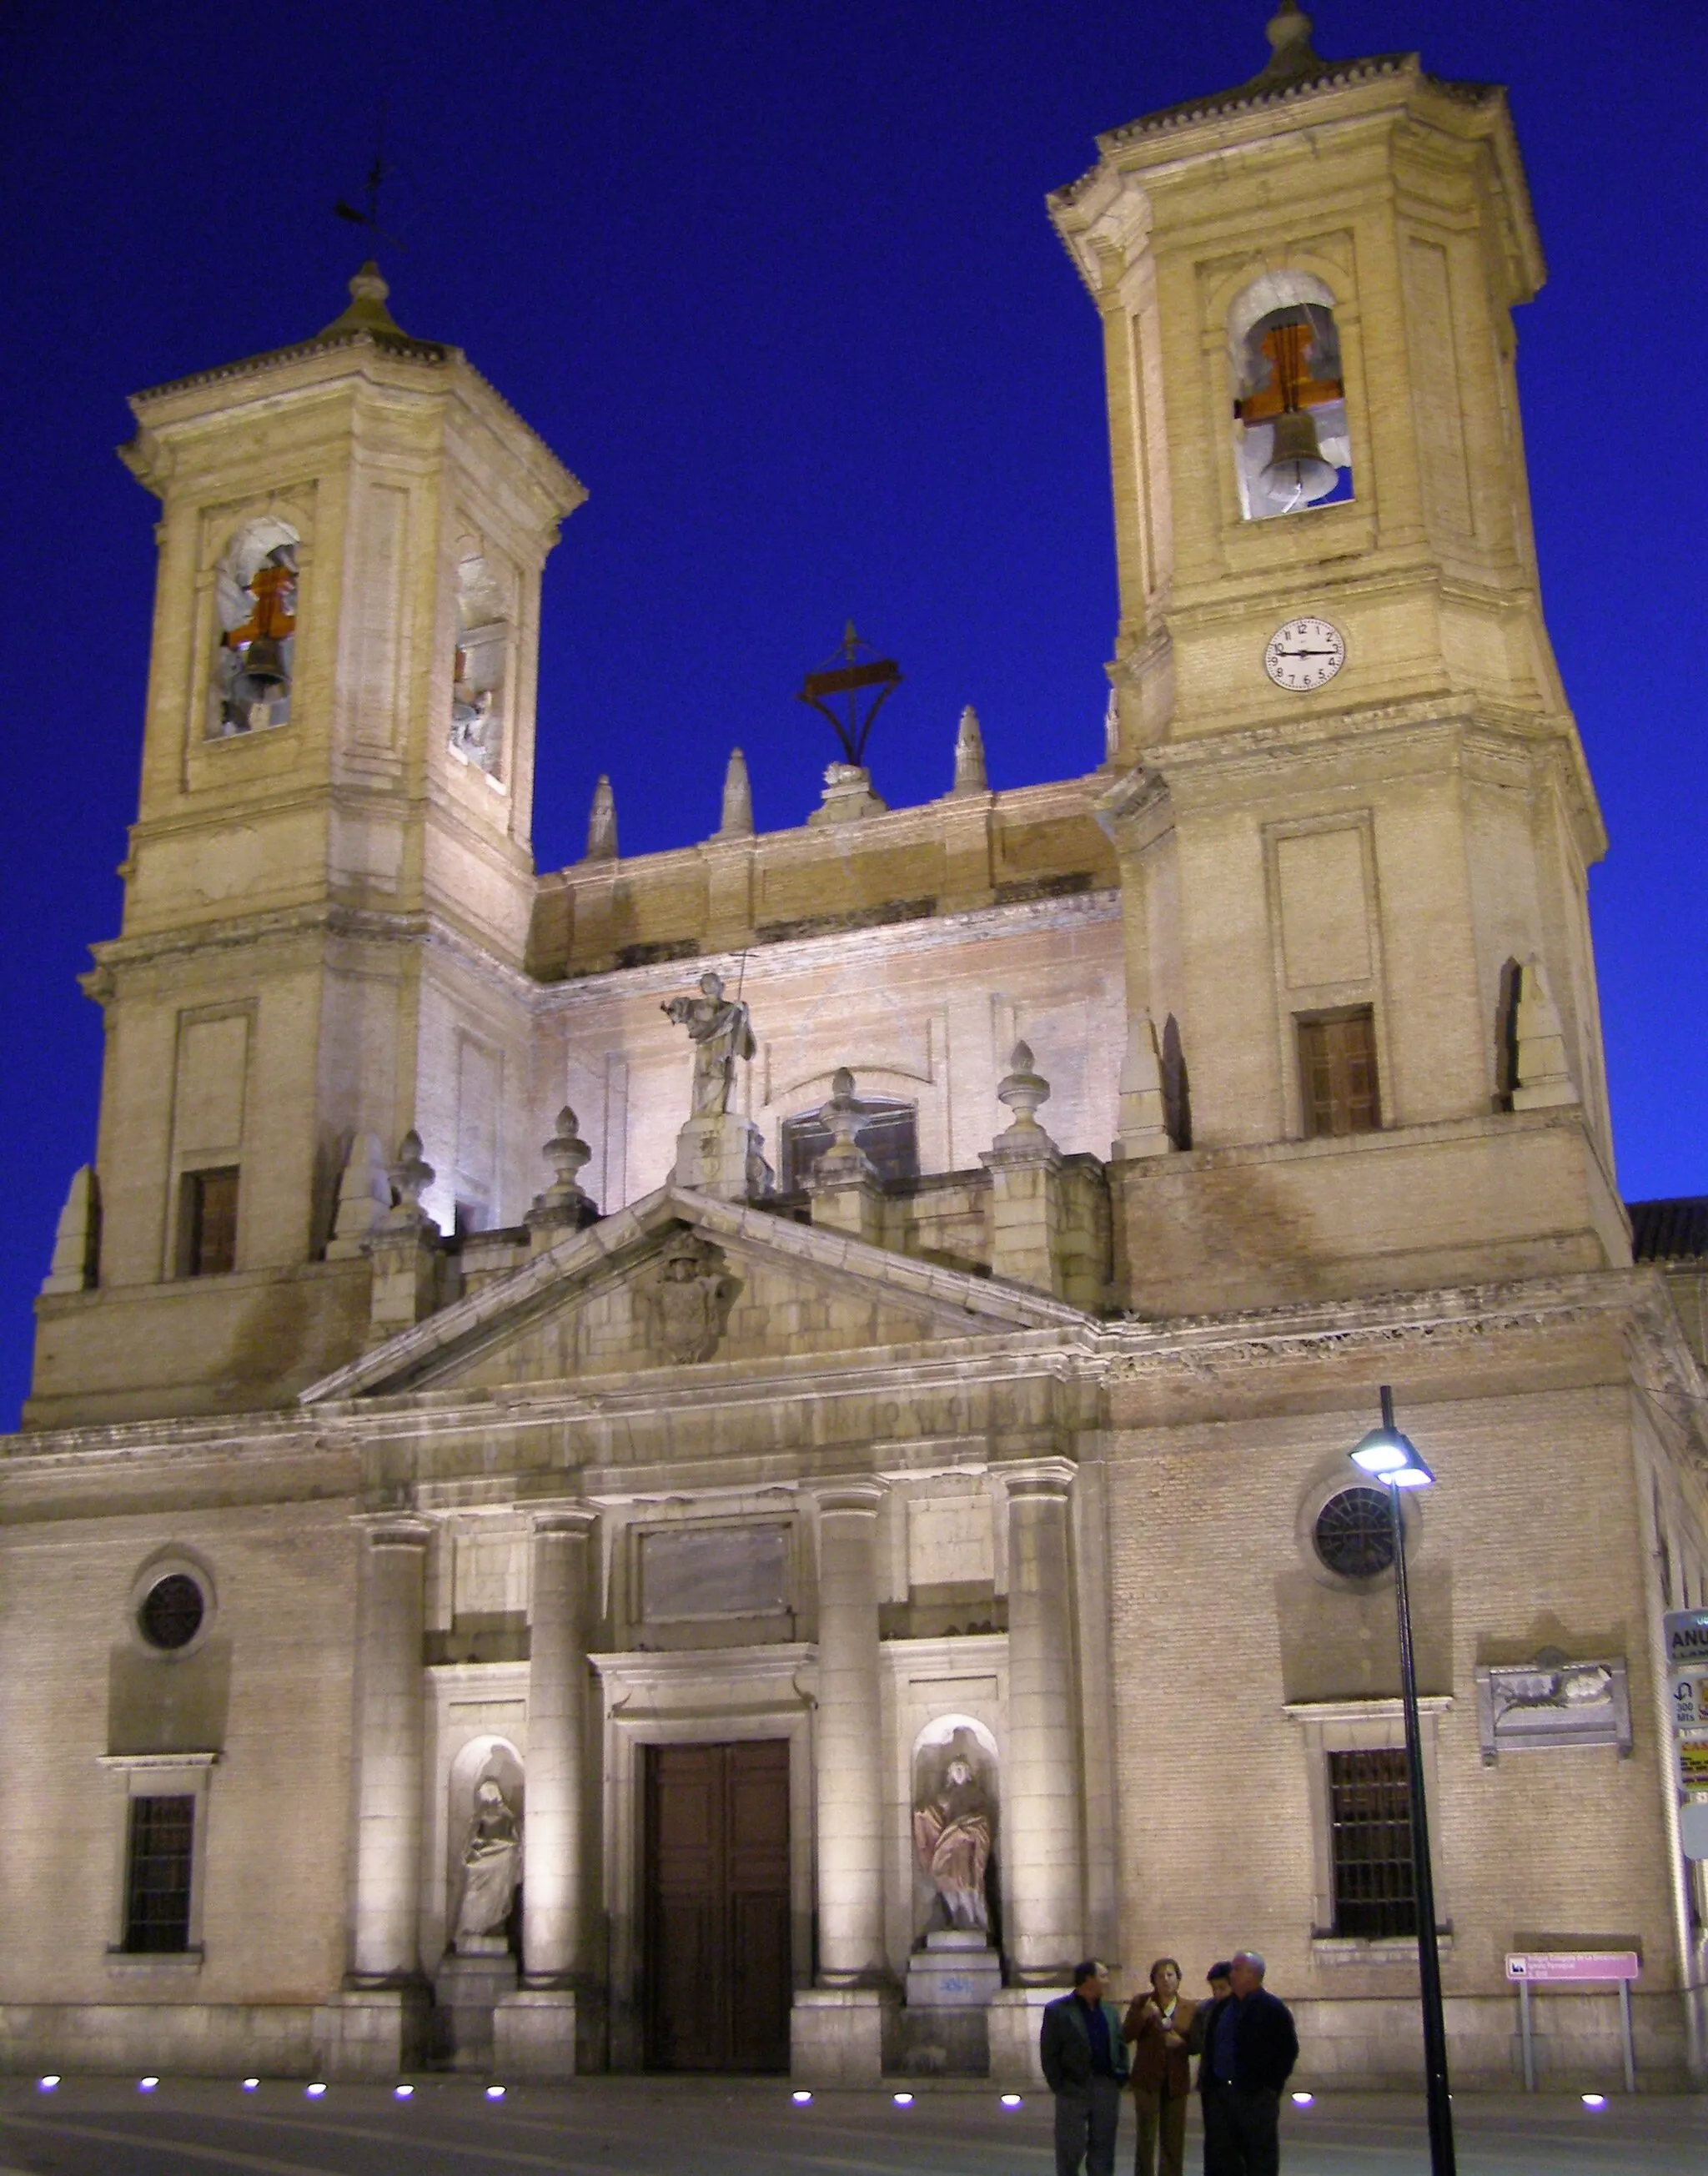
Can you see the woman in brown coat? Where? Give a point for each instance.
(1157, 2025)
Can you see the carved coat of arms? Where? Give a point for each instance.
(687, 1297)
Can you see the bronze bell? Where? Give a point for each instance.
(261, 675)
(1296, 460)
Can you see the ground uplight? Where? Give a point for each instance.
(146, 2085)
(495, 2092)
(1595, 2100)
(315, 2091)
(251, 2084)
(902, 2100)
(46, 2085)
(1303, 2100)
(402, 2093)
(801, 2099)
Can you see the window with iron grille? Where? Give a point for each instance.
(1354, 1533)
(1370, 1829)
(1337, 1072)
(889, 1135)
(157, 1884)
(207, 1223)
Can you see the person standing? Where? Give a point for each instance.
(1084, 2063)
(1158, 2025)
(1250, 2046)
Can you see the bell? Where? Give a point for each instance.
(1296, 462)
(261, 675)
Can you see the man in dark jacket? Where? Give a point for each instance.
(1085, 2061)
(1249, 2050)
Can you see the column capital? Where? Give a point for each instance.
(396, 1529)
(572, 1522)
(1041, 1479)
(859, 1495)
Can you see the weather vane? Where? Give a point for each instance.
(845, 675)
(376, 180)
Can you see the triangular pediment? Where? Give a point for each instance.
(680, 1279)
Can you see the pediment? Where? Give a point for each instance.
(678, 1280)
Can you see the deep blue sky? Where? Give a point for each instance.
(775, 280)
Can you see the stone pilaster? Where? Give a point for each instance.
(378, 2026)
(1041, 1815)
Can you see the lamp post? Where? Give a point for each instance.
(1390, 1458)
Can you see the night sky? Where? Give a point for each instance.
(776, 281)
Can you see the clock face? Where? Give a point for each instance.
(1304, 653)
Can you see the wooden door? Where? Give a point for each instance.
(718, 1979)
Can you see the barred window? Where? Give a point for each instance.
(157, 1884)
(172, 1611)
(1354, 1533)
(888, 1134)
(1370, 1829)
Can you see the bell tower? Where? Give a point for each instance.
(1353, 814)
(329, 880)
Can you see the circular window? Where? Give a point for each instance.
(171, 1612)
(1354, 1533)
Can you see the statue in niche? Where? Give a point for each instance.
(484, 619)
(952, 1831)
(256, 647)
(492, 1856)
(723, 1032)
(689, 1295)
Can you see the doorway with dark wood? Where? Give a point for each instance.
(718, 1982)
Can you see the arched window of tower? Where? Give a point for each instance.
(255, 599)
(1290, 447)
(476, 733)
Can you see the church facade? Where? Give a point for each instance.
(726, 1460)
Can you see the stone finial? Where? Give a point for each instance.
(970, 775)
(1024, 1088)
(1542, 1076)
(1143, 1118)
(845, 1159)
(411, 1176)
(77, 1237)
(562, 1207)
(737, 818)
(1291, 51)
(364, 1196)
(601, 823)
(365, 310)
(1112, 727)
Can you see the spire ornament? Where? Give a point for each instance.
(970, 773)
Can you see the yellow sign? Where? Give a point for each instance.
(1693, 1763)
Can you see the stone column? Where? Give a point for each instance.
(377, 2026)
(552, 1903)
(1041, 1813)
(838, 2026)
(534, 2030)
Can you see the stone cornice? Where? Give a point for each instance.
(881, 941)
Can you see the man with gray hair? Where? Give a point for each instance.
(1250, 2047)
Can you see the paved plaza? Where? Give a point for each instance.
(649, 2126)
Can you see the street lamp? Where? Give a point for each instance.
(1392, 1458)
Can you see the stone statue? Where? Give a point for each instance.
(952, 1838)
(690, 1294)
(723, 1032)
(492, 1865)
